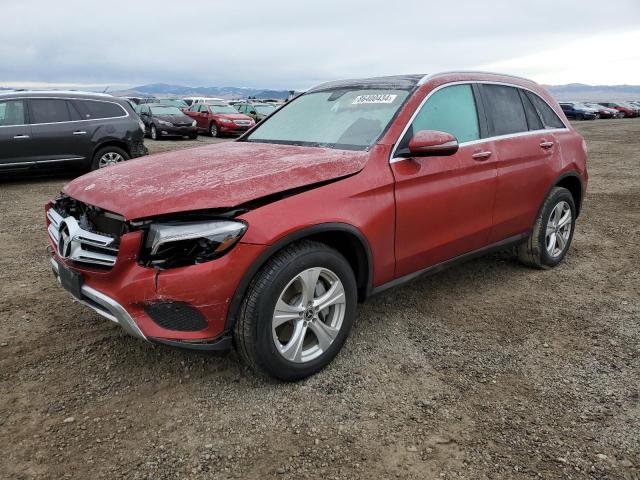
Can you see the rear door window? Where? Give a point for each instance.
(504, 110)
(451, 110)
(49, 110)
(549, 118)
(12, 113)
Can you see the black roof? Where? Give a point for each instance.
(396, 82)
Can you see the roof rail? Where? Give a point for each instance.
(430, 76)
(74, 92)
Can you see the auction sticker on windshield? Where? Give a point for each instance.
(382, 98)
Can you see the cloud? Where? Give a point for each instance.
(293, 44)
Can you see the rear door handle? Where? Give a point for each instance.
(79, 132)
(19, 137)
(480, 156)
(546, 144)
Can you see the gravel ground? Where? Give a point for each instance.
(487, 371)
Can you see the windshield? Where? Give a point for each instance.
(174, 102)
(166, 111)
(222, 109)
(347, 118)
(266, 109)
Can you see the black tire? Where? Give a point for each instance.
(193, 136)
(213, 130)
(533, 252)
(155, 133)
(108, 151)
(253, 335)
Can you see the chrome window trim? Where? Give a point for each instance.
(68, 121)
(393, 159)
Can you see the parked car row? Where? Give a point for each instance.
(593, 110)
(212, 116)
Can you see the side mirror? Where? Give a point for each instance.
(253, 112)
(429, 143)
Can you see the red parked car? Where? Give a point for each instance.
(625, 109)
(269, 242)
(219, 119)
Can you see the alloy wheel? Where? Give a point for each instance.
(154, 132)
(109, 159)
(558, 229)
(308, 315)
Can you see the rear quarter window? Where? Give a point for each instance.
(93, 109)
(549, 117)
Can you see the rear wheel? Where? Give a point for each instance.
(213, 130)
(297, 312)
(552, 233)
(107, 157)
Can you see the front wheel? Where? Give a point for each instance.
(213, 130)
(552, 233)
(297, 312)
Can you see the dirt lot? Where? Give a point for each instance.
(489, 370)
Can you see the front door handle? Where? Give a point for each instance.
(19, 137)
(481, 155)
(79, 132)
(546, 144)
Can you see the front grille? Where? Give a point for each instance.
(84, 234)
(242, 122)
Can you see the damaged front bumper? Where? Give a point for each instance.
(102, 304)
(184, 307)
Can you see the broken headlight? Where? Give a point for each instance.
(171, 245)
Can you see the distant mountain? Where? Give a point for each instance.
(580, 91)
(163, 89)
(572, 91)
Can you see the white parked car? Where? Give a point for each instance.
(209, 100)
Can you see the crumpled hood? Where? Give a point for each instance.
(216, 176)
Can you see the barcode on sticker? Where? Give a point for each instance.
(381, 98)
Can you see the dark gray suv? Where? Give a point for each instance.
(66, 130)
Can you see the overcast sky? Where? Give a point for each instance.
(293, 44)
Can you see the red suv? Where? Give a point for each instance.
(219, 119)
(269, 242)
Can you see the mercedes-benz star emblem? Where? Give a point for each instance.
(64, 241)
